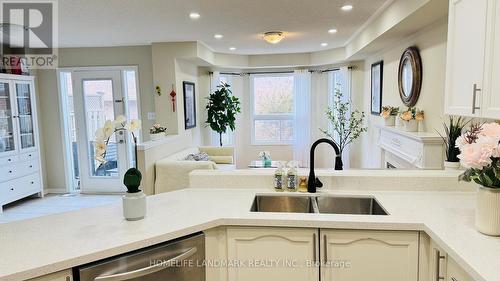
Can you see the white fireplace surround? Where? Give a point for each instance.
(407, 150)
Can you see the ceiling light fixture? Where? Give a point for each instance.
(232, 48)
(194, 15)
(324, 44)
(332, 31)
(347, 7)
(218, 36)
(273, 37)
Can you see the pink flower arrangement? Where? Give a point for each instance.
(480, 154)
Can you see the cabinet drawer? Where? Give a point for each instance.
(28, 156)
(9, 160)
(19, 169)
(19, 188)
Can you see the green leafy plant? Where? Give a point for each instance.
(222, 109)
(347, 126)
(452, 131)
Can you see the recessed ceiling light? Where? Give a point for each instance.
(218, 36)
(232, 48)
(332, 31)
(194, 15)
(347, 7)
(324, 44)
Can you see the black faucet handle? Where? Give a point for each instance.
(318, 183)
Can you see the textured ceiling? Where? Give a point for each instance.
(90, 23)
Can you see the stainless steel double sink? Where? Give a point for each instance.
(318, 204)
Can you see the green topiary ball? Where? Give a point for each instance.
(132, 180)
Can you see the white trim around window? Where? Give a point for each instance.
(254, 117)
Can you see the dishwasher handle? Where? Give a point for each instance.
(147, 270)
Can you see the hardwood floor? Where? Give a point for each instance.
(33, 207)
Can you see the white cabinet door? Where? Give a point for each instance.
(8, 140)
(437, 263)
(25, 107)
(456, 273)
(272, 254)
(491, 98)
(465, 58)
(355, 255)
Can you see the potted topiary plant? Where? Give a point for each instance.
(453, 130)
(480, 154)
(222, 109)
(134, 201)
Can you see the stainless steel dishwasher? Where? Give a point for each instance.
(179, 260)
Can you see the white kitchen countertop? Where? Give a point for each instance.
(52, 243)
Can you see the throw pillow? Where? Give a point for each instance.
(202, 156)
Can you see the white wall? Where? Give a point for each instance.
(432, 44)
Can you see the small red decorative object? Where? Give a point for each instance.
(173, 94)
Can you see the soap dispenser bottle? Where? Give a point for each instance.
(278, 178)
(292, 176)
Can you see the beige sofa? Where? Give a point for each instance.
(172, 173)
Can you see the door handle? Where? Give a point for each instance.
(439, 257)
(119, 100)
(148, 270)
(475, 90)
(314, 248)
(325, 247)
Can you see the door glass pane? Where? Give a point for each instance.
(25, 115)
(99, 107)
(6, 128)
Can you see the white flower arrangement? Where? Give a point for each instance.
(103, 135)
(480, 154)
(157, 129)
(264, 155)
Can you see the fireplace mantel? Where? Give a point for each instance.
(408, 150)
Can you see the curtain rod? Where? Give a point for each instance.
(276, 72)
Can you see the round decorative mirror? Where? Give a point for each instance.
(410, 76)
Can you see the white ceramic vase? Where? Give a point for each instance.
(399, 122)
(451, 166)
(390, 121)
(134, 206)
(411, 126)
(155, 137)
(488, 211)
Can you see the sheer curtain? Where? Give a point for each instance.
(322, 83)
(302, 117)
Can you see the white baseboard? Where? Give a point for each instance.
(55, 190)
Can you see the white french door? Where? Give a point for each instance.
(99, 96)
